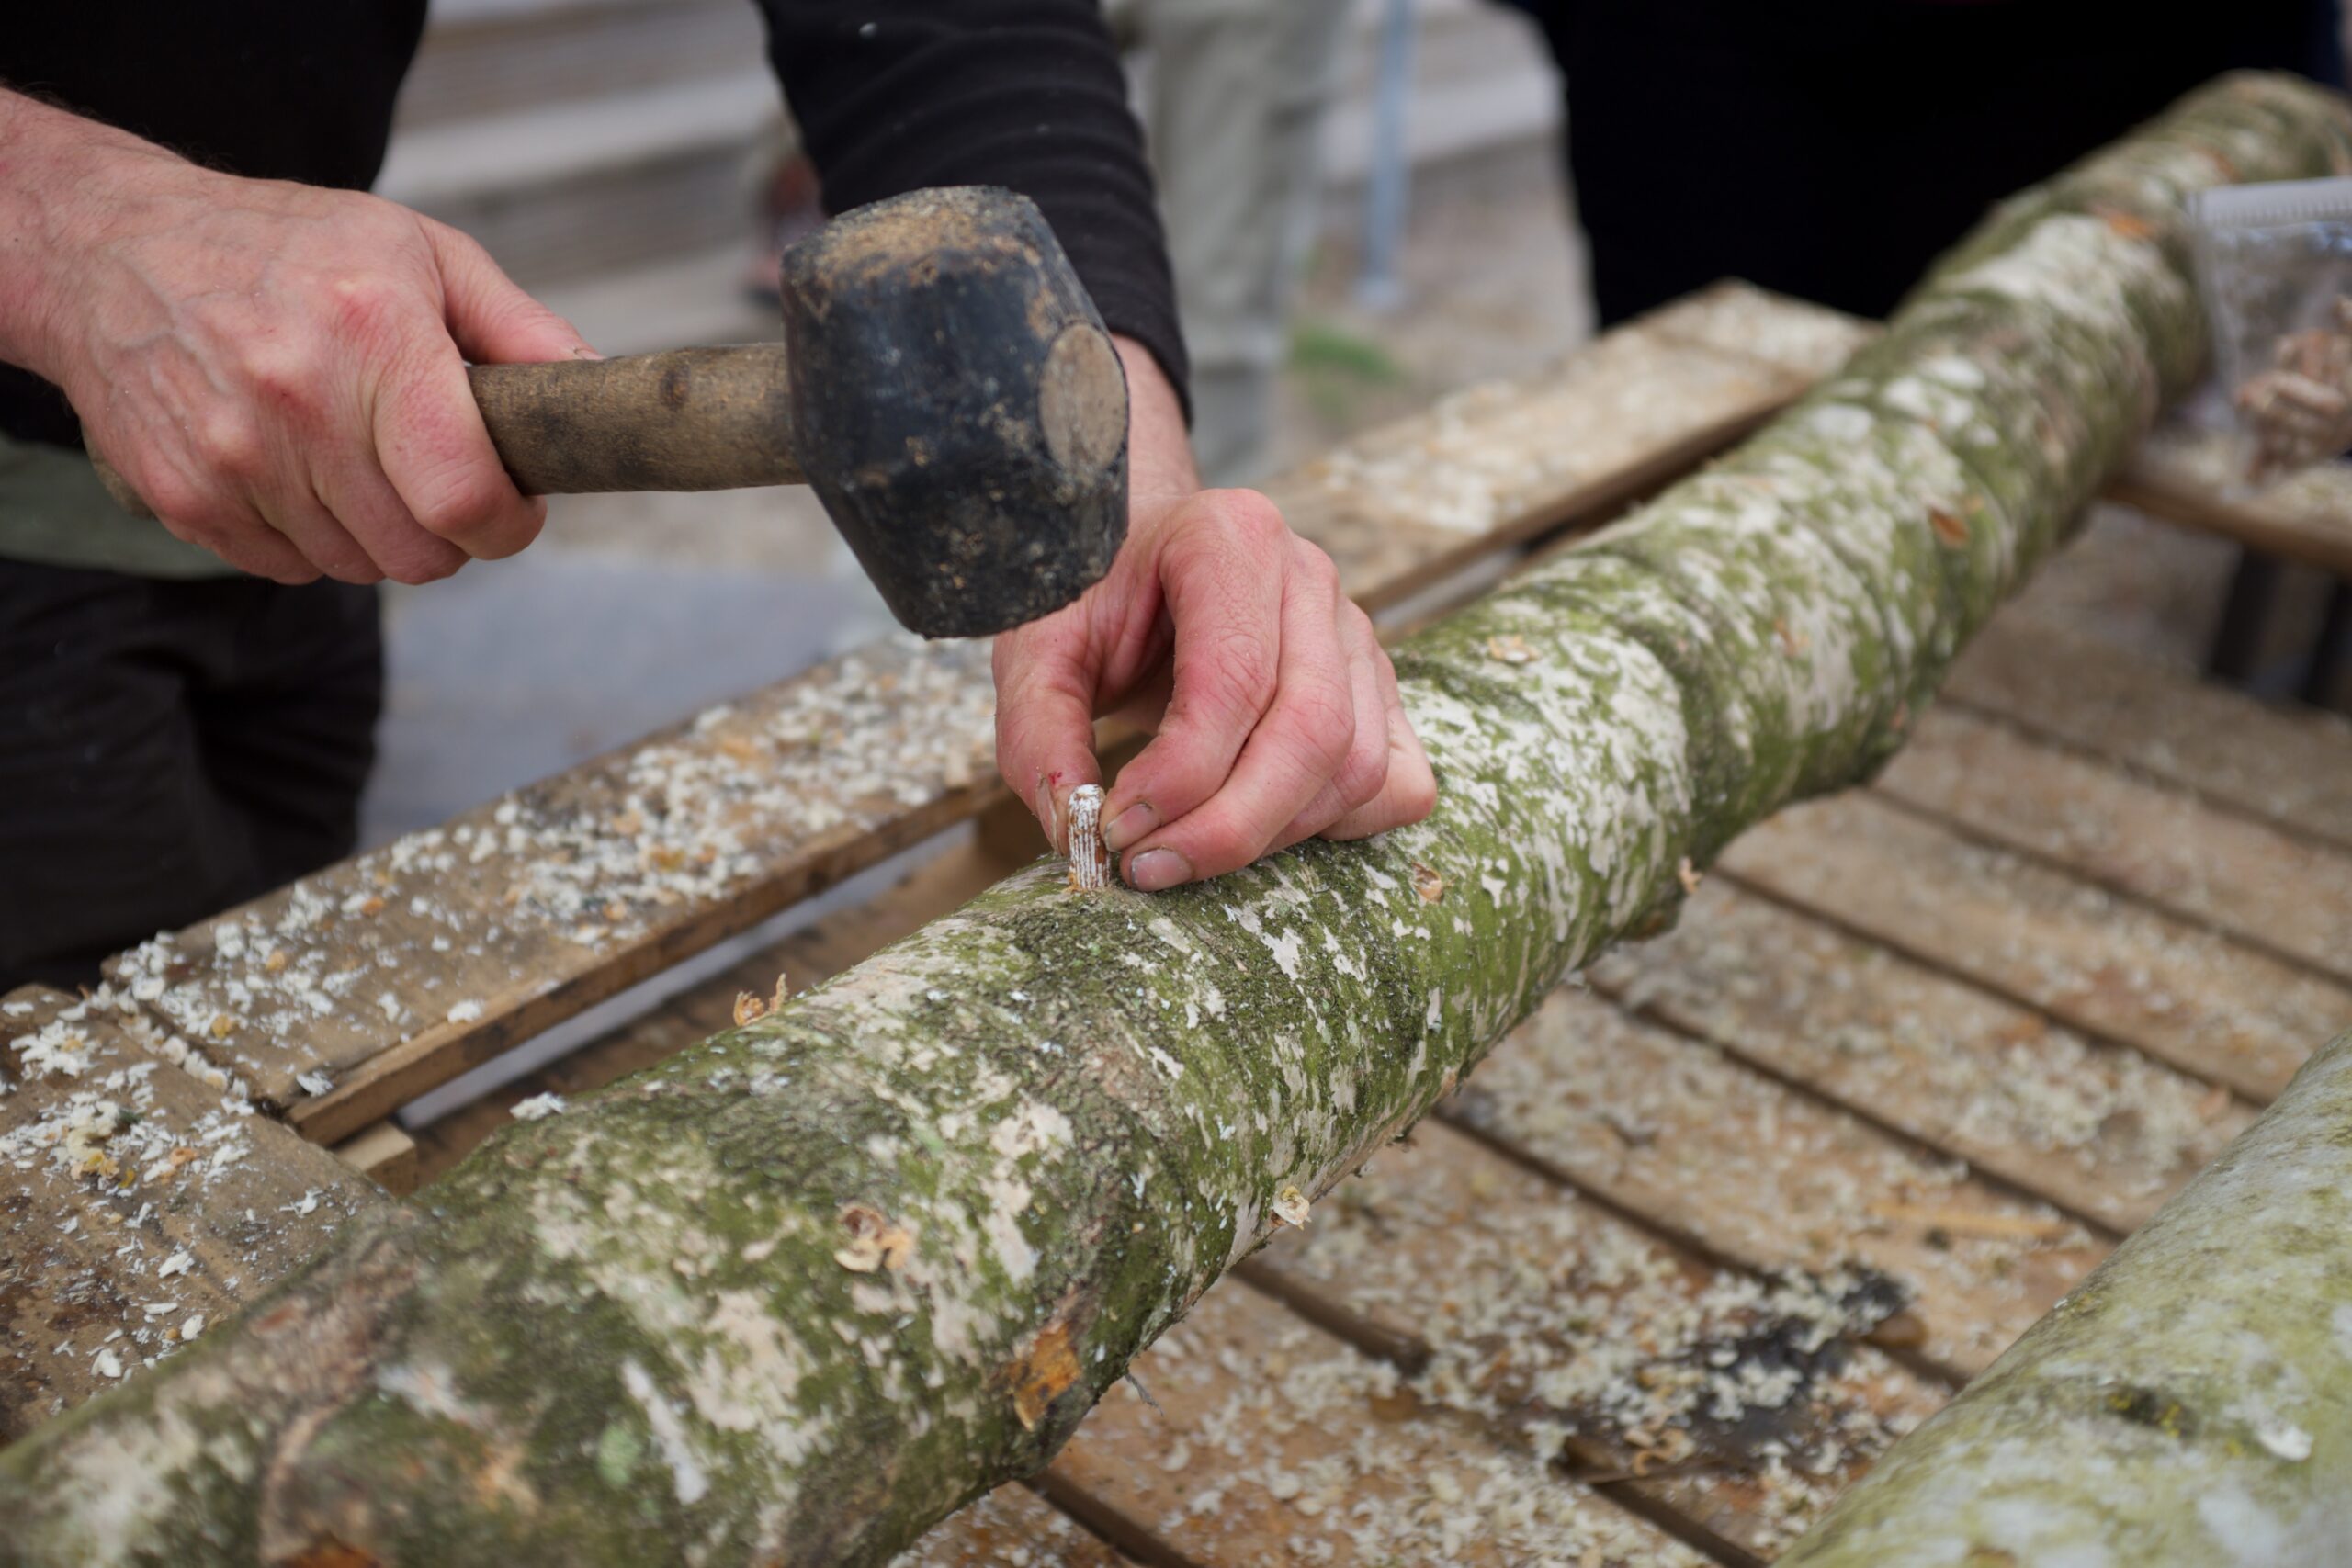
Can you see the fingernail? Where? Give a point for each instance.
(1129, 826)
(581, 351)
(1154, 869)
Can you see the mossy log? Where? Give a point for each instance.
(803, 1289)
(2188, 1403)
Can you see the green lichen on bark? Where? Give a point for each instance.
(802, 1290)
(2187, 1403)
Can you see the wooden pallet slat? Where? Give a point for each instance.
(2107, 966)
(1010, 1527)
(1704, 1149)
(1735, 1405)
(804, 959)
(2097, 1130)
(138, 1205)
(2190, 477)
(385, 1153)
(2290, 769)
(360, 986)
(1267, 1440)
(1403, 505)
(2263, 887)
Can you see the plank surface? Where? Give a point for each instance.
(1498, 463)
(2107, 966)
(363, 986)
(1270, 1442)
(137, 1204)
(2101, 1131)
(1010, 1527)
(2160, 844)
(1704, 1148)
(1739, 1404)
(1795, 335)
(385, 1155)
(2190, 477)
(805, 958)
(2290, 767)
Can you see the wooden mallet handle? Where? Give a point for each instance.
(683, 419)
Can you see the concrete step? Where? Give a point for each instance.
(577, 187)
(488, 58)
(692, 298)
(580, 137)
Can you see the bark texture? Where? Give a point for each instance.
(2186, 1404)
(805, 1287)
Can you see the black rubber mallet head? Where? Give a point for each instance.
(945, 386)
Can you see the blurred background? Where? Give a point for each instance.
(628, 161)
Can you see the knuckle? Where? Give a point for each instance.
(229, 441)
(372, 309)
(282, 374)
(187, 509)
(1323, 723)
(1252, 513)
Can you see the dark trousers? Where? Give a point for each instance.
(168, 748)
(1830, 149)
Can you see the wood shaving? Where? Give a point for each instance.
(1089, 863)
(874, 1242)
(1509, 651)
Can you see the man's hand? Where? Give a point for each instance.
(1276, 709)
(278, 370)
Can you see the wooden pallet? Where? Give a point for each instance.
(1696, 1244)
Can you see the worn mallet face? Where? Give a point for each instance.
(957, 405)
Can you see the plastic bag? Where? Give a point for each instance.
(2274, 266)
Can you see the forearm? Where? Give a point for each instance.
(1159, 454)
(53, 167)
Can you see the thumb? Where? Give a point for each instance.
(1045, 722)
(494, 321)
